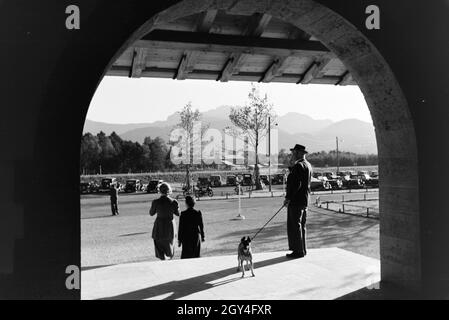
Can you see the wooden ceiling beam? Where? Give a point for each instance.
(275, 69)
(138, 62)
(255, 28)
(315, 70)
(296, 33)
(186, 64)
(233, 63)
(206, 20)
(189, 58)
(257, 25)
(180, 40)
(345, 79)
(236, 46)
(154, 72)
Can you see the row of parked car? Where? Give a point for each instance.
(245, 179)
(320, 181)
(130, 186)
(344, 180)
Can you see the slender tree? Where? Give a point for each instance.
(188, 118)
(252, 122)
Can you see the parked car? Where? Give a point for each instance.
(353, 183)
(373, 183)
(94, 187)
(264, 179)
(330, 175)
(203, 191)
(336, 184)
(374, 174)
(247, 179)
(132, 185)
(231, 180)
(153, 186)
(106, 184)
(277, 179)
(85, 188)
(316, 175)
(216, 181)
(349, 173)
(203, 182)
(364, 177)
(319, 185)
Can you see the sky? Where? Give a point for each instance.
(145, 100)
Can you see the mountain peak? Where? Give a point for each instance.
(294, 122)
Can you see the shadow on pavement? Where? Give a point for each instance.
(346, 232)
(381, 291)
(94, 267)
(133, 234)
(183, 288)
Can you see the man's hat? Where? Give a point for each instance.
(299, 148)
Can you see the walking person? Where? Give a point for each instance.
(296, 201)
(164, 227)
(113, 193)
(191, 230)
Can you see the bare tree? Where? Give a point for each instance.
(252, 121)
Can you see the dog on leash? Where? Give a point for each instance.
(244, 254)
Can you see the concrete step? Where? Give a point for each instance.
(323, 274)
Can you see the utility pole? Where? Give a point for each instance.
(338, 158)
(269, 153)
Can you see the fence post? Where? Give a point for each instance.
(343, 206)
(327, 205)
(367, 212)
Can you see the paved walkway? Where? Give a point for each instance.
(324, 274)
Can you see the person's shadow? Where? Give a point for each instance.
(183, 288)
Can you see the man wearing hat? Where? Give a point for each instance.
(296, 201)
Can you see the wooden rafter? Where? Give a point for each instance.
(296, 33)
(206, 20)
(186, 64)
(257, 25)
(188, 60)
(345, 79)
(138, 63)
(180, 40)
(255, 28)
(315, 70)
(275, 69)
(181, 66)
(234, 62)
(156, 72)
(281, 63)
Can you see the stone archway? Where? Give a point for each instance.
(396, 139)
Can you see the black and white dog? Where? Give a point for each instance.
(244, 254)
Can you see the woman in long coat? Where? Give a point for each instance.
(164, 226)
(191, 230)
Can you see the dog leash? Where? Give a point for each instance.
(267, 222)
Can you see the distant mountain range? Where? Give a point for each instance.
(318, 135)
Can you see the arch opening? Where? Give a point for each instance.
(392, 121)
